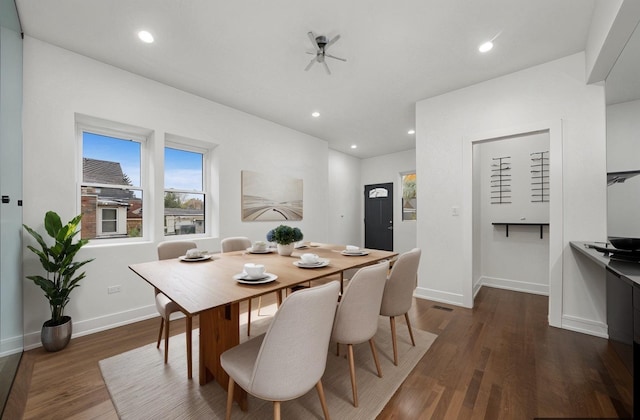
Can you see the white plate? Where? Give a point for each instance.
(355, 253)
(322, 263)
(262, 251)
(203, 258)
(242, 278)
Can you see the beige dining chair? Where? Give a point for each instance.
(240, 243)
(290, 358)
(165, 306)
(357, 315)
(398, 293)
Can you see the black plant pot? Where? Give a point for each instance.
(56, 337)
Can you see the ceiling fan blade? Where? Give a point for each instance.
(312, 37)
(333, 41)
(326, 67)
(334, 57)
(313, 60)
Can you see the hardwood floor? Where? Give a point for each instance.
(499, 360)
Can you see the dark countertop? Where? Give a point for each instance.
(630, 270)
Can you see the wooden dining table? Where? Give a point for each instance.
(208, 289)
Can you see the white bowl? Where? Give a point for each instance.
(309, 258)
(254, 270)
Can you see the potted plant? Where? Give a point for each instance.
(285, 237)
(58, 261)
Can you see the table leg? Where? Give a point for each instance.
(219, 331)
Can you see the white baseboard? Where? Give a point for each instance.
(585, 326)
(90, 326)
(439, 296)
(515, 285)
(11, 345)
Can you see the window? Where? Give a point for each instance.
(409, 202)
(109, 221)
(184, 190)
(111, 186)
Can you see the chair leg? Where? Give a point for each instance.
(338, 349)
(166, 340)
(276, 410)
(259, 304)
(229, 398)
(323, 401)
(160, 333)
(189, 357)
(406, 317)
(375, 356)
(392, 319)
(352, 372)
(249, 317)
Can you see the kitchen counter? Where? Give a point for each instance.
(630, 270)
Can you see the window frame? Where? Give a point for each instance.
(123, 132)
(402, 175)
(194, 146)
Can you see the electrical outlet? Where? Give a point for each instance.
(113, 289)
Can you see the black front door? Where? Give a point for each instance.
(378, 216)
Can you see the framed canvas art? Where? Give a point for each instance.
(270, 197)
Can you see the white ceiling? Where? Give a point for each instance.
(250, 54)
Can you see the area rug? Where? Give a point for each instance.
(143, 387)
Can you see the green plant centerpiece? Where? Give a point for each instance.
(62, 275)
(285, 237)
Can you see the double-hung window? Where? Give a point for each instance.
(184, 189)
(111, 189)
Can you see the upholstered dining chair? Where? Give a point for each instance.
(398, 293)
(290, 358)
(357, 315)
(239, 243)
(165, 306)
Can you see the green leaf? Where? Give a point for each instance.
(52, 223)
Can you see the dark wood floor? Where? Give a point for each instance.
(499, 360)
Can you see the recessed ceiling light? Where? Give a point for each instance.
(353, 146)
(486, 47)
(315, 114)
(145, 37)
(411, 132)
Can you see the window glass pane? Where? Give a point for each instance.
(111, 186)
(183, 213)
(182, 170)
(409, 202)
(110, 160)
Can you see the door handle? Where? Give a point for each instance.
(390, 227)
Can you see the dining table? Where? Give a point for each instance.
(211, 287)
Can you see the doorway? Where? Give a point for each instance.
(378, 216)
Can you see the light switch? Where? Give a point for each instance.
(455, 211)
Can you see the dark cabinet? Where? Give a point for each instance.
(623, 319)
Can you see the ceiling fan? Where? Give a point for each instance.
(321, 43)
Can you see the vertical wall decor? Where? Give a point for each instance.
(501, 180)
(269, 197)
(540, 177)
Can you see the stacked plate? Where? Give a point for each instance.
(244, 278)
(320, 263)
(355, 252)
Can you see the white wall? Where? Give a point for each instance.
(387, 168)
(623, 149)
(344, 199)
(521, 260)
(550, 92)
(58, 84)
